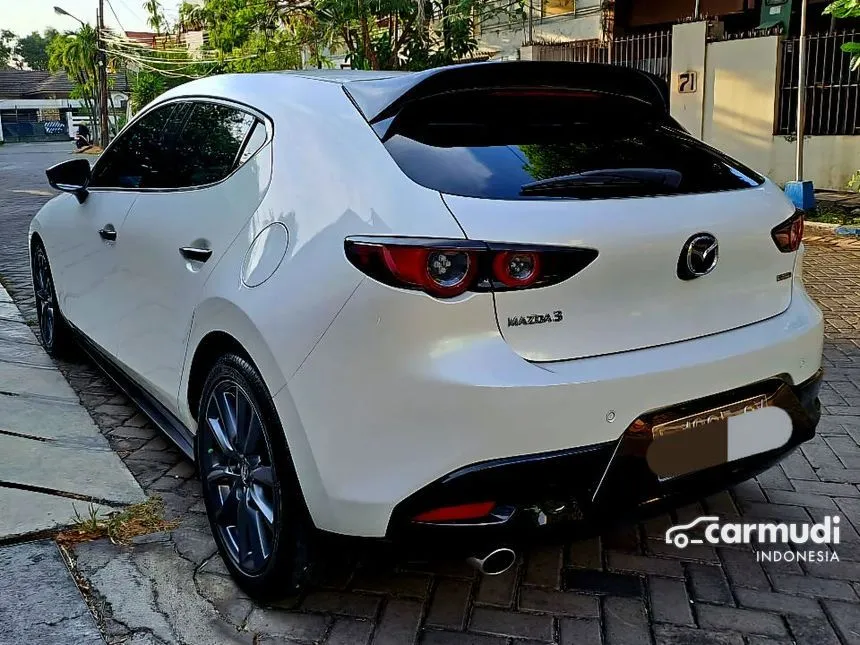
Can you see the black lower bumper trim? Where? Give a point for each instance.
(582, 491)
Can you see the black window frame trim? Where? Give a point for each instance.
(258, 115)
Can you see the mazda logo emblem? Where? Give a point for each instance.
(699, 256)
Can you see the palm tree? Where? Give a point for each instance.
(76, 53)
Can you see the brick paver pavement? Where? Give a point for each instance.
(627, 587)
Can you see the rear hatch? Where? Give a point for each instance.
(580, 168)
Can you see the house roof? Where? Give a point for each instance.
(15, 83)
(24, 84)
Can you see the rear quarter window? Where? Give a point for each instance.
(492, 144)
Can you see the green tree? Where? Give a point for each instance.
(405, 34)
(75, 52)
(7, 47)
(847, 9)
(155, 15)
(33, 49)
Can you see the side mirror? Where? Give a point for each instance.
(72, 176)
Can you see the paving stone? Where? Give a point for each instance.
(747, 621)
(808, 500)
(450, 604)
(677, 635)
(508, 623)
(693, 552)
(399, 623)
(722, 504)
(825, 488)
(812, 630)
(846, 618)
(625, 621)
(543, 566)
(560, 603)
(602, 582)
(349, 631)
(778, 602)
(459, 638)
(643, 564)
(339, 603)
(813, 587)
(585, 554)
(670, 602)
(400, 584)
(779, 512)
(498, 590)
(573, 631)
(743, 570)
(709, 584)
(774, 479)
(287, 624)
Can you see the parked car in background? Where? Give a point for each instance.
(457, 308)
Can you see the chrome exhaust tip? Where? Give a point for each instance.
(495, 562)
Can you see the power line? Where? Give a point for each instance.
(131, 11)
(116, 17)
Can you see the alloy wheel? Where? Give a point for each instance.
(239, 480)
(44, 291)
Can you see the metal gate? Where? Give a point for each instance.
(29, 125)
(649, 52)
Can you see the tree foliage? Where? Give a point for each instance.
(847, 9)
(32, 50)
(76, 52)
(7, 47)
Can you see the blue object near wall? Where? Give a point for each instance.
(801, 193)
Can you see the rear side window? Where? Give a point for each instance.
(527, 144)
(207, 147)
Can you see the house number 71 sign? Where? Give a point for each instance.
(687, 82)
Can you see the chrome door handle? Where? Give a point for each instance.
(108, 234)
(197, 255)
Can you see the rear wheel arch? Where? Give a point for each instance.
(210, 348)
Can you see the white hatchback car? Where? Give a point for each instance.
(461, 306)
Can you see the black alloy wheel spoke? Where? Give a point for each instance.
(239, 479)
(227, 513)
(44, 299)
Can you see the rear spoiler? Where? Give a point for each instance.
(381, 99)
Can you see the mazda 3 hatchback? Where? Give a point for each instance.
(462, 307)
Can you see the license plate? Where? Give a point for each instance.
(717, 436)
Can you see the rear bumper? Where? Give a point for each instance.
(581, 491)
(432, 390)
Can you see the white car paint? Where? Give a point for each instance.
(381, 391)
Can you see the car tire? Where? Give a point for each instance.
(253, 499)
(56, 335)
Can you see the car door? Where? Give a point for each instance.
(84, 253)
(175, 236)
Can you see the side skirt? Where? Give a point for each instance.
(165, 420)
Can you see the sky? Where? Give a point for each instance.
(26, 16)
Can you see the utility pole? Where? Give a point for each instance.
(531, 22)
(102, 77)
(801, 93)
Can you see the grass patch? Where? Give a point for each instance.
(830, 213)
(119, 526)
(89, 150)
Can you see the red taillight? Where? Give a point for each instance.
(449, 268)
(440, 272)
(789, 234)
(455, 513)
(516, 268)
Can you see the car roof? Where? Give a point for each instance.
(343, 75)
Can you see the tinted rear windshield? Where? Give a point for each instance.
(527, 144)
